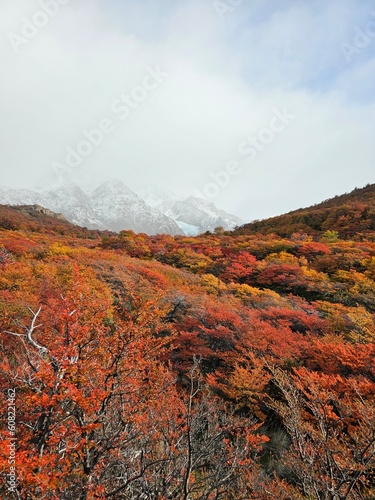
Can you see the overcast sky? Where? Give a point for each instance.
(278, 93)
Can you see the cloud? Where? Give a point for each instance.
(226, 76)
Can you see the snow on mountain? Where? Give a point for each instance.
(75, 204)
(200, 214)
(115, 203)
(193, 215)
(19, 197)
(112, 205)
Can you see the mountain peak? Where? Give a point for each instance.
(114, 186)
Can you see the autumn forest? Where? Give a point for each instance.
(232, 365)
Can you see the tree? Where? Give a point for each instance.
(331, 424)
(88, 382)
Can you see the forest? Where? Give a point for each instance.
(231, 365)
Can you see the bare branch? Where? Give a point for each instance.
(30, 330)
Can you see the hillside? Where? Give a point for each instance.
(350, 214)
(223, 366)
(35, 218)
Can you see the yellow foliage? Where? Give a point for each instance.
(360, 283)
(212, 284)
(364, 330)
(282, 257)
(370, 266)
(313, 275)
(247, 292)
(59, 249)
(330, 236)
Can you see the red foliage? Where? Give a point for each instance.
(284, 276)
(240, 268)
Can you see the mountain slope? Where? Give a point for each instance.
(349, 214)
(193, 215)
(115, 204)
(37, 219)
(74, 203)
(202, 214)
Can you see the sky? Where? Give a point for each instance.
(261, 106)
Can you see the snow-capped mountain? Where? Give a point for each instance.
(19, 197)
(69, 199)
(193, 215)
(115, 203)
(75, 205)
(112, 205)
(200, 214)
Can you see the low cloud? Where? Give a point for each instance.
(226, 76)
